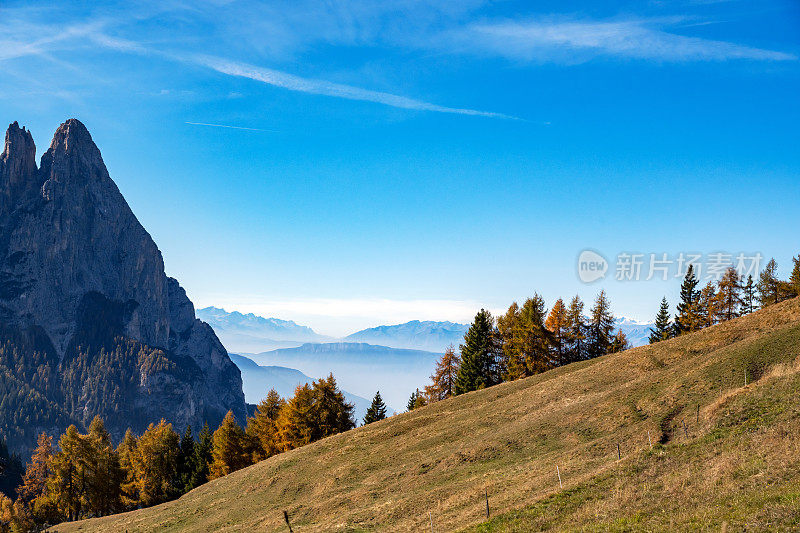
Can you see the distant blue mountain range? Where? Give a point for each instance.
(258, 380)
(250, 333)
(430, 336)
(638, 333)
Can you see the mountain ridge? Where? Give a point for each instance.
(241, 331)
(85, 301)
(428, 335)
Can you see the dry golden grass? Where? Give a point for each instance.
(733, 466)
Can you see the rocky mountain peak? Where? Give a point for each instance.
(18, 161)
(72, 157)
(75, 259)
(73, 139)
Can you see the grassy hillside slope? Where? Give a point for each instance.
(735, 462)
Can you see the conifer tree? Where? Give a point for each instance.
(129, 488)
(262, 427)
(688, 316)
(201, 459)
(376, 410)
(478, 355)
(185, 461)
(296, 420)
(104, 474)
(558, 326)
(66, 485)
(663, 329)
(729, 295)
(16, 516)
(443, 380)
(228, 452)
(708, 305)
(600, 327)
(37, 471)
(412, 401)
(508, 329)
(8, 518)
(768, 285)
(33, 508)
(748, 296)
(619, 342)
(576, 330)
(315, 411)
(331, 413)
(524, 339)
(535, 339)
(11, 468)
(156, 463)
(794, 278)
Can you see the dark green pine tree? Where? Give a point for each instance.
(768, 285)
(412, 402)
(687, 317)
(663, 329)
(794, 278)
(748, 296)
(185, 461)
(599, 330)
(11, 471)
(377, 410)
(200, 459)
(478, 356)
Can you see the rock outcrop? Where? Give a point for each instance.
(74, 256)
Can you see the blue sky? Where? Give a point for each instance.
(375, 162)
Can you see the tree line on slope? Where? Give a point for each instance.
(528, 340)
(87, 476)
(730, 297)
(524, 341)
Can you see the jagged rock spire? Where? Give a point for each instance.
(18, 161)
(72, 139)
(73, 160)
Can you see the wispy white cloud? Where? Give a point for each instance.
(314, 86)
(16, 42)
(570, 41)
(227, 126)
(96, 34)
(292, 82)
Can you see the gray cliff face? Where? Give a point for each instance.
(65, 232)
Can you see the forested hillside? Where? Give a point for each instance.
(662, 437)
